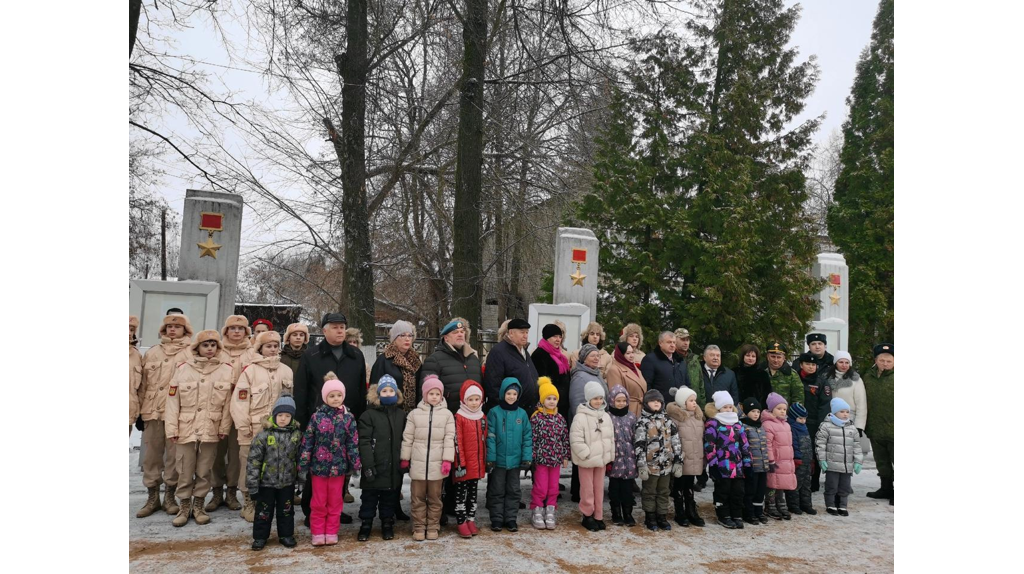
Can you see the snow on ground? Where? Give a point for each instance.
(862, 542)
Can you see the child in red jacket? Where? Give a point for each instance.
(470, 455)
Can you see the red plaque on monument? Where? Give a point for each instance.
(579, 255)
(211, 221)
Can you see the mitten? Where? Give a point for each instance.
(644, 473)
(860, 433)
(446, 468)
(368, 473)
(404, 465)
(139, 424)
(608, 468)
(525, 465)
(677, 470)
(856, 468)
(772, 466)
(490, 466)
(824, 465)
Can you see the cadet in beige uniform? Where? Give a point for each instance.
(157, 369)
(198, 417)
(134, 372)
(262, 381)
(236, 351)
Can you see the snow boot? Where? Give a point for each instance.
(843, 512)
(691, 510)
(616, 514)
(152, 502)
(771, 508)
(474, 530)
(364, 530)
(680, 518)
(198, 512)
(288, 542)
(538, 519)
(662, 521)
(318, 539)
(259, 543)
(650, 521)
(330, 539)
(170, 506)
(748, 517)
(216, 501)
(785, 512)
(794, 510)
(549, 519)
(387, 528)
(884, 492)
(808, 510)
(248, 508)
(232, 500)
(723, 518)
(589, 523)
(627, 516)
(184, 510)
(432, 534)
(419, 535)
(737, 522)
(465, 532)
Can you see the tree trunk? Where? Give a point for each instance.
(467, 254)
(134, 12)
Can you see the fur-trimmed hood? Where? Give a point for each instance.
(373, 399)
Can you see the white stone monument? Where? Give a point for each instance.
(834, 314)
(149, 300)
(211, 231)
(576, 316)
(576, 264)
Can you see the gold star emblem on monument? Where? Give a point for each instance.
(577, 277)
(208, 248)
(834, 297)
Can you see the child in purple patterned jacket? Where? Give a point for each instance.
(550, 454)
(623, 469)
(727, 453)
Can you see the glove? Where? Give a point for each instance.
(368, 474)
(490, 467)
(860, 433)
(644, 473)
(824, 465)
(404, 465)
(856, 468)
(525, 465)
(139, 424)
(446, 468)
(798, 462)
(608, 468)
(772, 466)
(677, 470)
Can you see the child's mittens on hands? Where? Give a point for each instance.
(404, 465)
(677, 470)
(644, 473)
(446, 468)
(772, 466)
(368, 473)
(608, 467)
(824, 465)
(856, 468)
(490, 466)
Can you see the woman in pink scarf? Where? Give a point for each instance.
(552, 363)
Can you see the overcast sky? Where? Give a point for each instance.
(836, 31)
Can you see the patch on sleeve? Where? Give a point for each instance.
(173, 391)
(243, 394)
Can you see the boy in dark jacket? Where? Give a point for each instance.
(799, 500)
(380, 447)
(756, 480)
(509, 450)
(270, 474)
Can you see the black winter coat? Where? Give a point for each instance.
(812, 399)
(309, 379)
(547, 367)
(663, 373)
(505, 360)
(386, 366)
(453, 368)
(826, 362)
(380, 443)
(754, 382)
(725, 380)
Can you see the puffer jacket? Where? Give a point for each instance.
(273, 456)
(581, 375)
(802, 444)
(158, 367)
(656, 442)
(758, 444)
(839, 446)
(849, 387)
(550, 439)
(198, 405)
(330, 445)
(634, 383)
(380, 442)
(261, 383)
(509, 435)
(787, 383)
(780, 452)
(881, 424)
(470, 449)
(592, 438)
(624, 423)
(134, 382)
(691, 437)
(428, 440)
(725, 448)
(238, 355)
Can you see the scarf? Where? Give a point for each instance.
(586, 369)
(619, 412)
(235, 349)
(621, 359)
(409, 363)
(293, 353)
(545, 411)
(471, 414)
(838, 421)
(728, 418)
(556, 355)
(751, 423)
(174, 346)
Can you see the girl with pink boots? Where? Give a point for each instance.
(781, 464)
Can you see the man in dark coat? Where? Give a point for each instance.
(716, 377)
(453, 361)
(510, 358)
(347, 362)
(660, 368)
(817, 347)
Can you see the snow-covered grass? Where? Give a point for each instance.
(862, 542)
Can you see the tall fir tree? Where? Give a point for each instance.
(861, 222)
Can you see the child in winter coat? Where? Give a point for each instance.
(839, 453)
(689, 419)
(197, 417)
(658, 458)
(551, 453)
(728, 454)
(270, 472)
(509, 450)
(799, 500)
(428, 449)
(381, 427)
(592, 440)
(470, 455)
(330, 451)
(757, 478)
(623, 472)
(781, 463)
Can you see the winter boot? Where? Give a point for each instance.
(387, 528)
(538, 519)
(419, 535)
(319, 540)
(589, 523)
(170, 506)
(330, 539)
(808, 510)
(474, 530)
(259, 543)
(723, 517)
(662, 521)
(364, 530)
(691, 510)
(216, 501)
(759, 514)
(748, 517)
(784, 510)
(843, 512)
(832, 510)
(616, 514)
(600, 524)
(288, 542)
(432, 534)
(511, 526)
(184, 510)
(198, 512)
(248, 508)
(681, 519)
(627, 516)
(549, 518)
(794, 510)
(884, 492)
(152, 502)
(737, 522)
(465, 532)
(232, 500)
(650, 521)
(771, 508)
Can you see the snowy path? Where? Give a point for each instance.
(806, 543)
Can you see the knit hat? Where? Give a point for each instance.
(267, 337)
(133, 321)
(547, 388)
(839, 404)
(721, 399)
(798, 410)
(285, 404)
(206, 335)
(176, 319)
(470, 388)
(654, 395)
(431, 382)
(296, 328)
(616, 391)
(592, 389)
(387, 381)
(402, 327)
(332, 384)
(682, 394)
(750, 404)
(236, 321)
(550, 330)
(586, 350)
(774, 400)
(843, 355)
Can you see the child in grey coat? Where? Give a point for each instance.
(838, 447)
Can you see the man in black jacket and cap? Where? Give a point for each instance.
(817, 346)
(510, 358)
(453, 361)
(345, 361)
(661, 369)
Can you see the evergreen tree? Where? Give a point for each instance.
(861, 221)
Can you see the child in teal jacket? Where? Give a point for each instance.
(509, 450)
